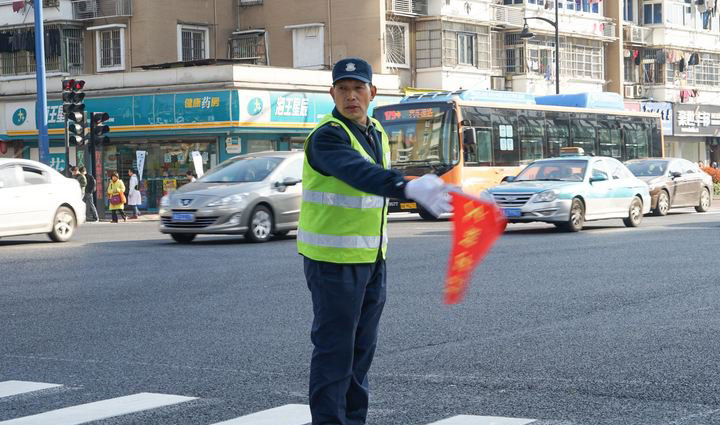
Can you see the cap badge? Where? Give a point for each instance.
(350, 67)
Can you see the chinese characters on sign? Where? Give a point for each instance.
(205, 102)
(291, 106)
(700, 120)
(477, 224)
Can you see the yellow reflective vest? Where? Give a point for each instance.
(338, 223)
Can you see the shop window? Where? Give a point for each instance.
(193, 42)
(260, 145)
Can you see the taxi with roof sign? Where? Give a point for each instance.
(571, 189)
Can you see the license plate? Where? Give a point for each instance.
(183, 217)
(408, 206)
(512, 212)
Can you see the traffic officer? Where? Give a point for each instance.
(342, 237)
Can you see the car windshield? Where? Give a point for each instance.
(241, 170)
(648, 168)
(561, 170)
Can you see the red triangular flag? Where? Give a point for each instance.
(477, 224)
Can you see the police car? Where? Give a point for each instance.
(569, 190)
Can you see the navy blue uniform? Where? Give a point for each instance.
(348, 299)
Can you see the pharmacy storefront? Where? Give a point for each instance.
(159, 134)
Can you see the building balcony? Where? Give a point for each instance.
(635, 35)
(86, 10)
(63, 51)
(683, 38)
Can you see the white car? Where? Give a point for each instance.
(35, 198)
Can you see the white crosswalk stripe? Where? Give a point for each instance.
(289, 414)
(11, 388)
(483, 420)
(100, 410)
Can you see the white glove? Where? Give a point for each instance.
(431, 192)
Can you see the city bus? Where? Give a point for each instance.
(473, 139)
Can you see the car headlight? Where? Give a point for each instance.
(546, 196)
(165, 201)
(232, 200)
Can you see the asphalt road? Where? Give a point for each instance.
(607, 326)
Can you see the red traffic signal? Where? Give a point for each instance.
(74, 85)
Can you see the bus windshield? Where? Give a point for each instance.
(420, 134)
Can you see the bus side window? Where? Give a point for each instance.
(558, 132)
(505, 147)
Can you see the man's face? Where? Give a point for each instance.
(352, 98)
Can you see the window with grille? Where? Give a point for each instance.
(249, 48)
(397, 45)
(111, 55)
(193, 43)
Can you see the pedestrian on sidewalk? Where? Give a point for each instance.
(91, 214)
(80, 178)
(190, 176)
(134, 198)
(342, 237)
(116, 195)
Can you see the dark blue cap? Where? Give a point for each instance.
(354, 68)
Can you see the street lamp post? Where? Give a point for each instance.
(527, 34)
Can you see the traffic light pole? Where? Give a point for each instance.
(67, 148)
(41, 105)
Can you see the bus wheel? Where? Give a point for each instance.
(426, 215)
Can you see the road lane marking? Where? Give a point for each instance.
(10, 388)
(289, 414)
(98, 410)
(483, 420)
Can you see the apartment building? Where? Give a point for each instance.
(671, 64)
(235, 76)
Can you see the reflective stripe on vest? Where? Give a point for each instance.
(338, 200)
(339, 241)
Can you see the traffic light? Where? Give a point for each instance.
(74, 110)
(98, 128)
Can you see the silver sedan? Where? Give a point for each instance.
(256, 195)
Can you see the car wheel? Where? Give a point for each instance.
(63, 225)
(634, 213)
(577, 217)
(261, 225)
(704, 203)
(183, 237)
(663, 204)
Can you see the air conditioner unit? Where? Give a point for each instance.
(87, 7)
(639, 91)
(629, 91)
(497, 83)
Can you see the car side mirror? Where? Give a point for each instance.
(598, 178)
(676, 174)
(507, 179)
